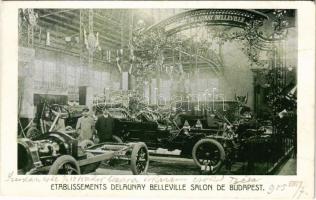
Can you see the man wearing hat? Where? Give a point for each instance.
(85, 125)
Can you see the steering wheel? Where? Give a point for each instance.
(64, 113)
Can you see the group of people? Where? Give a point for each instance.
(88, 125)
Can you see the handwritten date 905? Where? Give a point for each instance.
(296, 187)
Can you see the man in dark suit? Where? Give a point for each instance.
(104, 126)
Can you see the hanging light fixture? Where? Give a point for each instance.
(91, 40)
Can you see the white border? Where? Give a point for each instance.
(306, 106)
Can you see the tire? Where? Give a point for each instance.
(139, 159)
(218, 150)
(65, 164)
(25, 161)
(117, 139)
(84, 144)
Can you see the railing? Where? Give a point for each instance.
(266, 156)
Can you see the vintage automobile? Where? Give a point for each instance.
(221, 142)
(240, 141)
(59, 153)
(150, 128)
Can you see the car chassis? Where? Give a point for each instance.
(58, 153)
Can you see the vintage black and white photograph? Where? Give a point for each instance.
(157, 91)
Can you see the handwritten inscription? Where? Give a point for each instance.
(237, 180)
(293, 189)
(296, 187)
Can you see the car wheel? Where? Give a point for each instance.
(25, 161)
(139, 159)
(65, 164)
(208, 152)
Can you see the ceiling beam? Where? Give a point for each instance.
(66, 24)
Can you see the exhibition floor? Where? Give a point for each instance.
(182, 166)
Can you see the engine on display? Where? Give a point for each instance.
(47, 148)
(43, 152)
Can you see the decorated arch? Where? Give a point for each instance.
(208, 17)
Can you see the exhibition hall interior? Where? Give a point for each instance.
(157, 91)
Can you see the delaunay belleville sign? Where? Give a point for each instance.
(236, 18)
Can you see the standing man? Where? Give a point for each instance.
(85, 126)
(104, 126)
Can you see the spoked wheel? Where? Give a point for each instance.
(208, 152)
(139, 159)
(66, 165)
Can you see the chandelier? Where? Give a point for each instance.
(91, 40)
